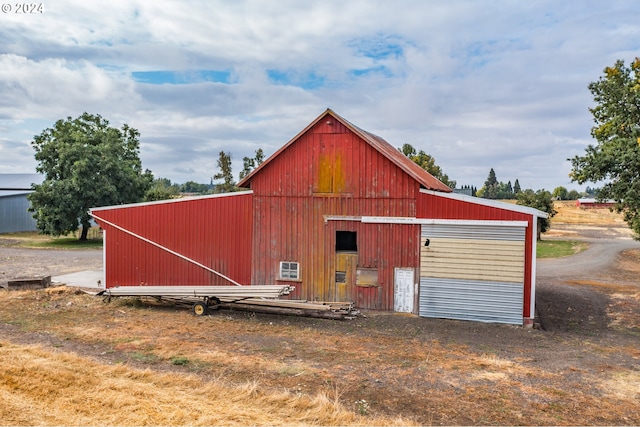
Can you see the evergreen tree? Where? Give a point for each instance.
(250, 163)
(516, 187)
(491, 186)
(225, 174)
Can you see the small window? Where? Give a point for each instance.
(341, 277)
(289, 270)
(346, 241)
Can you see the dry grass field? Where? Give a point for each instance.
(568, 213)
(69, 358)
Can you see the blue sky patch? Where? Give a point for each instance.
(181, 77)
(378, 47)
(308, 80)
(378, 70)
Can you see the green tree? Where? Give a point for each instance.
(542, 201)
(194, 187)
(573, 195)
(491, 186)
(560, 193)
(86, 163)
(615, 159)
(250, 163)
(162, 189)
(516, 188)
(428, 163)
(225, 174)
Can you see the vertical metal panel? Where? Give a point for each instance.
(214, 231)
(14, 215)
(431, 206)
(497, 302)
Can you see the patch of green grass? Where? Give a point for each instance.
(65, 243)
(559, 248)
(33, 239)
(180, 360)
(142, 357)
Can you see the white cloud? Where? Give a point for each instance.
(477, 84)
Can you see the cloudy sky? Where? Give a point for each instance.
(476, 84)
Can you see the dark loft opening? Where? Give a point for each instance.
(346, 241)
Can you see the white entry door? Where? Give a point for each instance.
(403, 290)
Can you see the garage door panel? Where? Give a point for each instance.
(496, 302)
(472, 272)
(491, 260)
(488, 274)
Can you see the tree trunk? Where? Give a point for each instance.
(85, 232)
(539, 230)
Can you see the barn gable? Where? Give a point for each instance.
(304, 196)
(331, 155)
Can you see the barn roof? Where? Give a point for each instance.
(423, 177)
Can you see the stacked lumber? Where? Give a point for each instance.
(327, 310)
(30, 283)
(228, 292)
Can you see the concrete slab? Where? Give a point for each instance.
(93, 279)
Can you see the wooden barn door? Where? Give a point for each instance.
(346, 265)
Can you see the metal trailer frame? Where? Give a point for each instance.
(260, 298)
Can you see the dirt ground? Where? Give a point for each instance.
(581, 367)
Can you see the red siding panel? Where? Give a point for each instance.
(213, 231)
(330, 171)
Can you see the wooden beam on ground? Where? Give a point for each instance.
(30, 283)
(289, 311)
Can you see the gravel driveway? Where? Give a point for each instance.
(18, 262)
(605, 244)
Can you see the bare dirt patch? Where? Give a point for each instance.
(583, 368)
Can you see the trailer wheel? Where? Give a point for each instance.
(200, 309)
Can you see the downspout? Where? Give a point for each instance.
(534, 246)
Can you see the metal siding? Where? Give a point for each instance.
(431, 206)
(484, 232)
(215, 232)
(497, 302)
(472, 259)
(14, 214)
(473, 272)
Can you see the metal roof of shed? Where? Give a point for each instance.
(19, 181)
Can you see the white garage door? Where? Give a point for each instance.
(473, 272)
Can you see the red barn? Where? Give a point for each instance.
(343, 215)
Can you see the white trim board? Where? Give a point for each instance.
(181, 199)
(421, 221)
